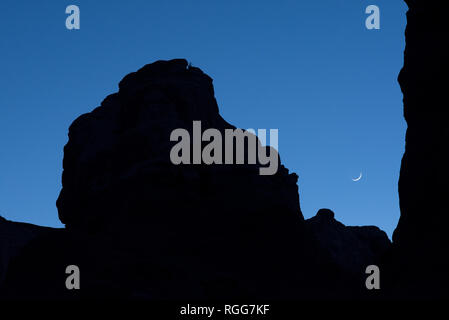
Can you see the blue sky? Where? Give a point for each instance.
(308, 68)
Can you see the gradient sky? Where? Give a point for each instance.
(308, 68)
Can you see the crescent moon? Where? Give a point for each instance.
(357, 179)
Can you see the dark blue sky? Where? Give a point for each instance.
(308, 68)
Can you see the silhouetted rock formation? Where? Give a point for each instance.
(201, 223)
(421, 239)
(118, 160)
(13, 237)
(352, 249)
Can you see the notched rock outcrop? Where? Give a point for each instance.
(351, 248)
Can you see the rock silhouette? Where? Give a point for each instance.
(140, 227)
(121, 151)
(421, 239)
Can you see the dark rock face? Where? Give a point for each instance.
(351, 249)
(13, 237)
(421, 239)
